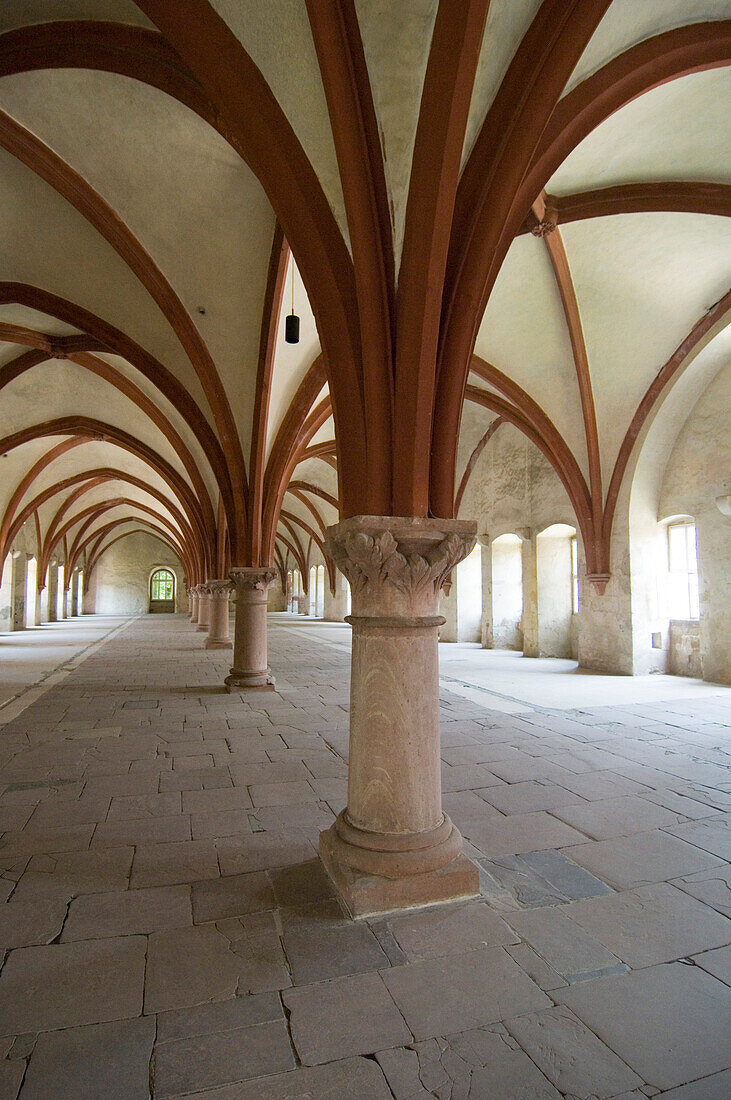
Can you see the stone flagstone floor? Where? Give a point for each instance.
(166, 929)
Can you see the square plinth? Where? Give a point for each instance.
(366, 895)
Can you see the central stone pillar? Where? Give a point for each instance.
(250, 667)
(193, 597)
(393, 847)
(204, 607)
(219, 594)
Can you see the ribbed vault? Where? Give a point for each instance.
(527, 223)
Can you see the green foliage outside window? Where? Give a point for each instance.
(162, 585)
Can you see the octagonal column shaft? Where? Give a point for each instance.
(393, 847)
(250, 662)
(204, 608)
(219, 595)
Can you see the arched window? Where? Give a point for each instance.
(162, 585)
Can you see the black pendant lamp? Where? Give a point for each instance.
(292, 322)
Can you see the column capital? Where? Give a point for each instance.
(218, 589)
(253, 577)
(404, 558)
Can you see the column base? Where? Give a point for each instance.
(240, 680)
(409, 878)
(202, 626)
(211, 643)
(367, 895)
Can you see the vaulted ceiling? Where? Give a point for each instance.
(519, 204)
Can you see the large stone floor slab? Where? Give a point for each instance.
(460, 992)
(571, 1056)
(344, 1017)
(166, 922)
(350, 1079)
(641, 859)
(651, 925)
(66, 984)
(668, 1023)
(98, 1061)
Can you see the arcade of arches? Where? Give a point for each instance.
(503, 226)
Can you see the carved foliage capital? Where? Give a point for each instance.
(376, 559)
(255, 579)
(218, 589)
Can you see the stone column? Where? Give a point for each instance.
(250, 668)
(219, 594)
(41, 605)
(204, 608)
(20, 577)
(52, 592)
(193, 596)
(43, 600)
(394, 847)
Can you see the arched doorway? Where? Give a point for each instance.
(162, 591)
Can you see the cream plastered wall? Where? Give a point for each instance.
(513, 486)
(120, 583)
(514, 490)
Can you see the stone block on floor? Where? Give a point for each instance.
(343, 1017)
(627, 862)
(231, 896)
(316, 954)
(69, 984)
(25, 923)
(168, 864)
(652, 924)
(564, 945)
(668, 1023)
(92, 1063)
(189, 1065)
(571, 1056)
(459, 992)
(127, 913)
(449, 929)
(188, 966)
